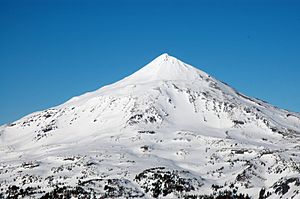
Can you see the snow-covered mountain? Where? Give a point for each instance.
(168, 131)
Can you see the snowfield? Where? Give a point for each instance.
(167, 131)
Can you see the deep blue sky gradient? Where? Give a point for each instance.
(53, 50)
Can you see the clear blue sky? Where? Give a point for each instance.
(53, 50)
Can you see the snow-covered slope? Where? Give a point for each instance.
(169, 130)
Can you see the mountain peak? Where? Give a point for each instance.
(142, 134)
(164, 67)
(164, 57)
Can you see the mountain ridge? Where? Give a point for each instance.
(169, 130)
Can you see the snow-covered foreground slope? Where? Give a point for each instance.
(169, 130)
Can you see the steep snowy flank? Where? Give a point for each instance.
(169, 130)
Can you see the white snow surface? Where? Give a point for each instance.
(166, 117)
